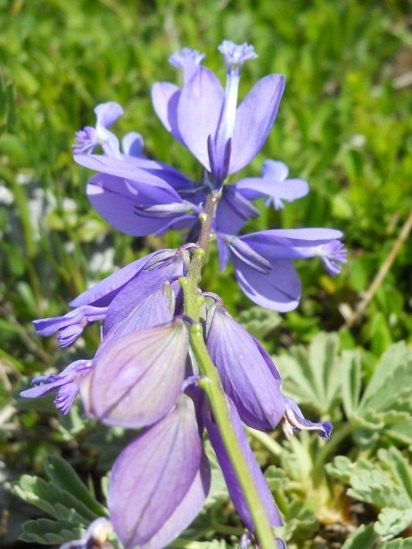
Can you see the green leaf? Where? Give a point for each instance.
(50, 532)
(62, 474)
(363, 538)
(258, 321)
(351, 370)
(313, 376)
(398, 544)
(392, 522)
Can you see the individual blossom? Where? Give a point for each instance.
(250, 377)
(160, 481)
(90, 138)
(223, 136)
(66, 382)
(263, 262)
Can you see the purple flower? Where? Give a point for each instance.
(248, 375)
(273, 184)
(160, 481)
(206, 119)
(263, 262)
(71, 325)
(231, 479)
(134, 381)
(67, 382)
(90, 138)
(250, 378)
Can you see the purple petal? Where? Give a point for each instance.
(290, 190)
(185, 512)
(295, 422)
(248, 380)
(140, 288)
(71, 325)
(108, 113)
(165, 99)
(275, 170)
(102, 293)
(135, 382)
(232, 482)
(144, 175)
(132, 144)
(120, 204)
(233, 211)
(155, 309)
(254, 120)
(153, 475)
(279, 290)
(198, 112)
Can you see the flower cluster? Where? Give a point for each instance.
(146, 373)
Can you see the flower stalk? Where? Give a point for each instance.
(212, 386)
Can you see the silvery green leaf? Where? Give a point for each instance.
(351, 369)
(50, 532)
(258, 321)
(364, 538)
(392, 522)
(313, 376)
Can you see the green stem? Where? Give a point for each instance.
(337, 437)
(212, 385)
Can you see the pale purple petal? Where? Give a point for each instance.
(289, 190)
(232, 482)
(275, 170)
(145, 175)
(254, 120)
(108, 113)
(198, 113)
(71, 325)
(140, 288)
(279, 290)
(165, 99)
(120, 204)
(102, 293)
(153, 475)
(185, 512)
(253, 385)
(132, 144)
(233, 211)
(294, 421)
(137, 378)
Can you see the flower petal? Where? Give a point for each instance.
(253, 385)
(198, 112)
(153, 475)
(254, 120)
(165, 99)
(137, 378)
(279, 290)
(235, 490)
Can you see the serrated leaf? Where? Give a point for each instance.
(392, 522)
(351, 370)
(313, 376)
(258, 321)
(341, 469)
(50, 532)
(48, 498)
(364, 538)
(392, 378)
(398, 544)
(64, 477)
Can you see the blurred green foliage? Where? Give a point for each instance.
(344, 124)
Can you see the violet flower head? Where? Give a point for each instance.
(224, 137)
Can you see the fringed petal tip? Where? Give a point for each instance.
(294, 421)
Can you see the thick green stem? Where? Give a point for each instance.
(212, 385)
